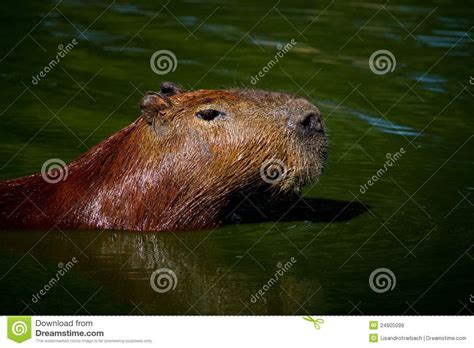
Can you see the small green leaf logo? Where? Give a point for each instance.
(19, 328)
(316, 322)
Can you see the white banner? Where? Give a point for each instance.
(237, 331)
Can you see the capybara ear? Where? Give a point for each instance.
(170, 88)
(152, 104)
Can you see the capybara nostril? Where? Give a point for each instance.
(312, 122)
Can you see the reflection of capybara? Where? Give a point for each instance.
(178, 165)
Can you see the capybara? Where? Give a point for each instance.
(178, 166)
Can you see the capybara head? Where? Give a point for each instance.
(238, 137)
(181, 165)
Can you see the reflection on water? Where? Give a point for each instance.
(118, 266)
(415, 220)
(386, 126)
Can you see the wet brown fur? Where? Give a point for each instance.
(177, 173)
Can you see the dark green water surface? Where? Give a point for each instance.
(416, 219)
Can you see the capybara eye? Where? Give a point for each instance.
(209, 114)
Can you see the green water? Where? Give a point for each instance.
(415, 220)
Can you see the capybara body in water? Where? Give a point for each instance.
(178, 165)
